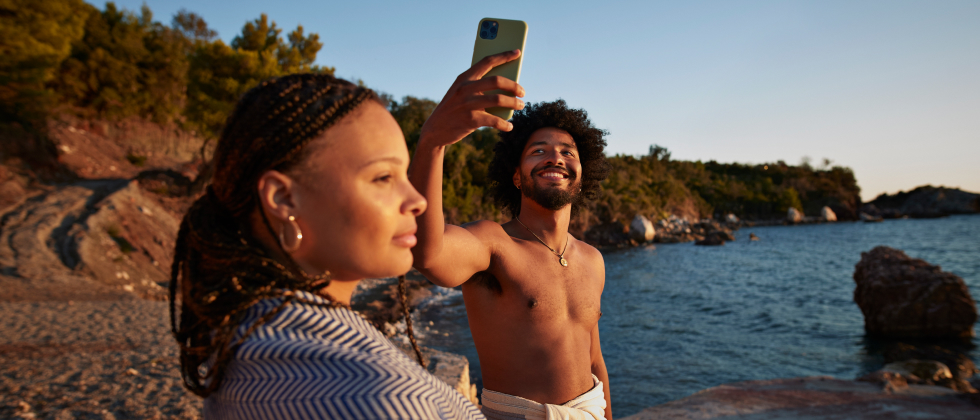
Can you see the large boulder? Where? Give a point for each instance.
(828, 215)
(904, 297)
(641, 229)
(794, 216)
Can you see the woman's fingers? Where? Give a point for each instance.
(491, 83)
(483, 66)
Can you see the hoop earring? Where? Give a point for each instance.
(282, 237)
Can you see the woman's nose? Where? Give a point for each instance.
(414, 203)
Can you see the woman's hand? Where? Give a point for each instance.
(462, 110)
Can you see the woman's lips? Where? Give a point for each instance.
(406, 240)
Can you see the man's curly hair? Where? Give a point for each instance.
(507, 152)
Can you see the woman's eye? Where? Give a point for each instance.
(383, 178)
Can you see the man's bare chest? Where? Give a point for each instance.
(533, 279)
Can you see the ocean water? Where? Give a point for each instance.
(680, 318)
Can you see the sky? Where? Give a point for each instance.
(890, 88)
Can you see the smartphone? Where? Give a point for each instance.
(495, 36)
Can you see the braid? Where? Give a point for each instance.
(223, 270)
(408, 319)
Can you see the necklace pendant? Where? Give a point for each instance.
(563, 262)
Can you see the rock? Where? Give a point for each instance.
(714, 238)
(959, 364)
(641, 229)
(927, 371)
(612, 234)
(865, 217)
(731, 219)
(828, 215)
(890, 381)
(814, 398)
(902, 297)
(794, 216)
(752, 237)
(453, 369)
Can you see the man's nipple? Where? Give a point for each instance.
(531, 303)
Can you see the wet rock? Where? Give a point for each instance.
(815, 398)
(641, 229)
(711, 240)
(960, 366)
(865, 217)
(794, 216)
(828, 215)
(902, 297)
(890, 381)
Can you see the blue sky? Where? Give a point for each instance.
(888, 88)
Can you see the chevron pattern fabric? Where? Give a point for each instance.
(317, 362)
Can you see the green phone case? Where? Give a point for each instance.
(511, 35)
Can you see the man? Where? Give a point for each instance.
(532, 291)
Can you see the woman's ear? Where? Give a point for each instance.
(277, 195)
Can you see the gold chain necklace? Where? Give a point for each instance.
(561, 257)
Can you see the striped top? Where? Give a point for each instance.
(314, 362)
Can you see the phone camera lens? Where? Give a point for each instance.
(486, 24)
(484, 34)
(493, 29)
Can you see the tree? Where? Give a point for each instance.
(36, 36)
(220, 74)
(125, 65)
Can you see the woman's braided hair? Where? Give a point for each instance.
(222, 267)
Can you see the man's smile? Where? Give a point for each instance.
(553, 174)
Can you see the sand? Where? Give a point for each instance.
(90, 360)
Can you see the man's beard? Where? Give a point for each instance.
(551, 198)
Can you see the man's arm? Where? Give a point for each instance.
(599, 369)
(449, 255)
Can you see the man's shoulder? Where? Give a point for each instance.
(485, 229)
(589, 251)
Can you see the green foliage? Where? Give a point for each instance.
(411, 113)
(219, 74)
(125, 65)
(36, 37)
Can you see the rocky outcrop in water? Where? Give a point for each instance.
(902, 297)
(924, 202)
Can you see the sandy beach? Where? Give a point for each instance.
(90, 360)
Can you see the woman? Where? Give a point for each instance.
(309, 195)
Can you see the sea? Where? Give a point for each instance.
(680, 318)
